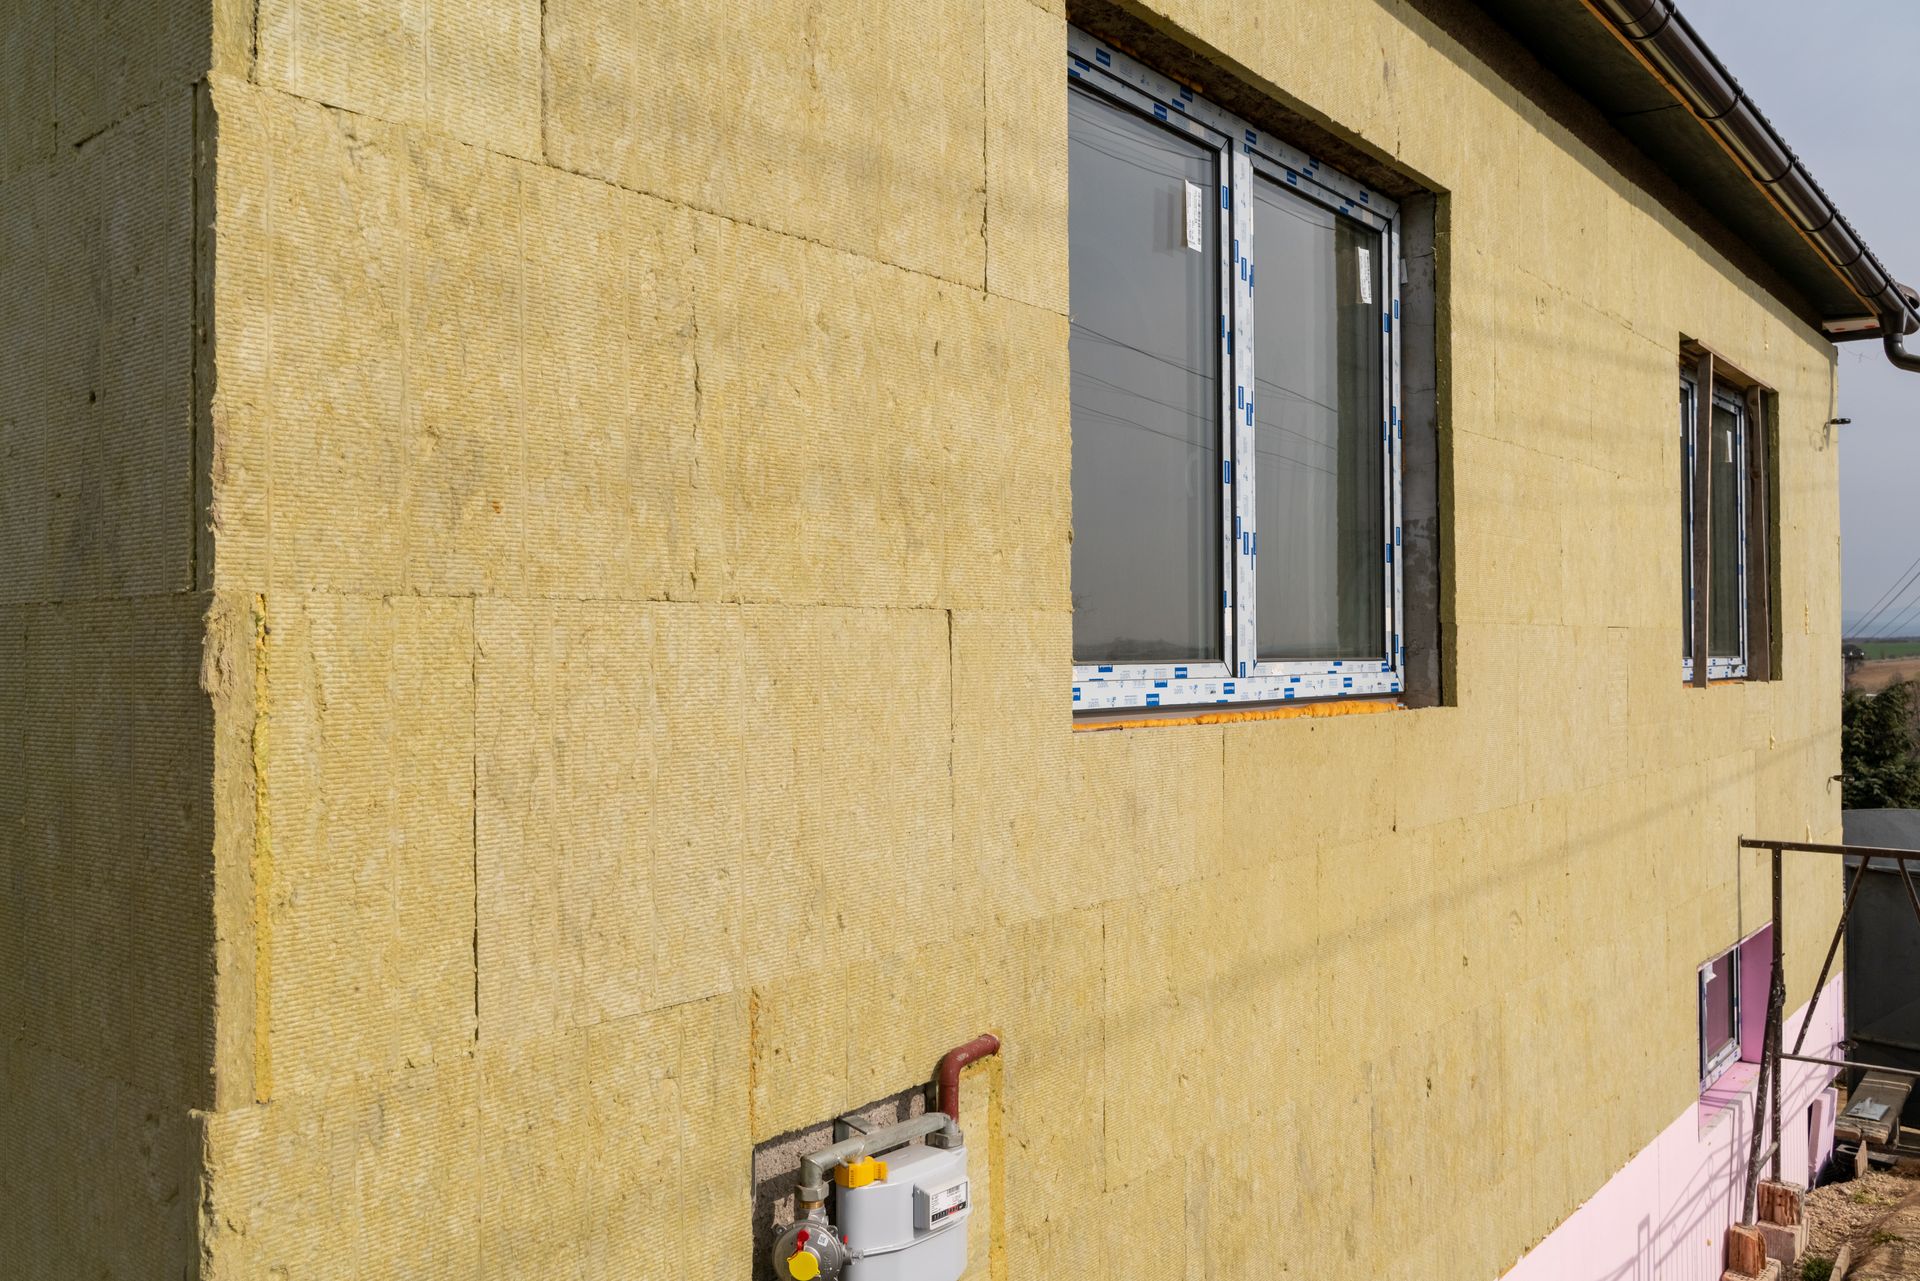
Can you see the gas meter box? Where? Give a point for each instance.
(910, 1225)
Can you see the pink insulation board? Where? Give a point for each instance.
(1663, 1216)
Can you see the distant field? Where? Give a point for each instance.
(1876, 674)
(1891, 648)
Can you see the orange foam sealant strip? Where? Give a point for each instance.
(1352, 707)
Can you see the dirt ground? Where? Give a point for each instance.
(1877, 673)
(1880, 1214)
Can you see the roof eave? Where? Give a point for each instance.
(1641, 64)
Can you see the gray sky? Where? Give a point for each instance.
(1839, 80)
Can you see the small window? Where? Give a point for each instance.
(1719, 1015)
(1236, 444)
(1725, 526)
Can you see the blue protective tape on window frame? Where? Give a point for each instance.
(1139, 685)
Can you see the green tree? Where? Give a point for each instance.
(1879, 766)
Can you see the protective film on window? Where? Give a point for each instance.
(1236, 445)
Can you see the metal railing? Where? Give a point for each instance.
(1768, 1091)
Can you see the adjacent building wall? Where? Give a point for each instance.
(636, 471)
(106, 733)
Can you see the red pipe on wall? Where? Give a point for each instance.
(950, 1064)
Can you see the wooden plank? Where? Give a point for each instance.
(1887, 1091)
(1759, 540)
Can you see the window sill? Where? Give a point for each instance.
(1139, 718)
(1722, 671)
(1721, 1097)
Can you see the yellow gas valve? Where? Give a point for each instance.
(859, 1173)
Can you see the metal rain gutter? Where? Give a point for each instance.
(1669, 47)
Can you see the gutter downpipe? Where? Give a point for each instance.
(1667, 44)
(1897, 352)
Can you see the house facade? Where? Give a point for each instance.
(587, 587)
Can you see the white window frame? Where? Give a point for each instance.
(1243, 151)
(1720, 667)
(1714, 1064)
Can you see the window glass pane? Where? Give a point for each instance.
(1319, 466)
(1686, 522)
(1723, 605)
(1145, 353)
(1716, 997)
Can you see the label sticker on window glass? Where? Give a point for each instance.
(1364, 257)
(1193, 218)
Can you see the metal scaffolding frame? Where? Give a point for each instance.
(1768, 1091)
